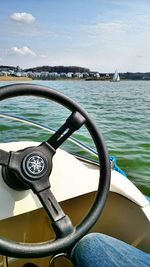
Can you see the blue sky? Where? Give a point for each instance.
(101, 35)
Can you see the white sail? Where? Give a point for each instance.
(116, 77)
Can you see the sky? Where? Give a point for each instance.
(102, 35)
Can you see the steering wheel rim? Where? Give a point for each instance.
(37, 250)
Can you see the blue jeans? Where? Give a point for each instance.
(99, 250)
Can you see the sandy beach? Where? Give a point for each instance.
(13, 78)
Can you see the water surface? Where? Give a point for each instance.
(121, 111)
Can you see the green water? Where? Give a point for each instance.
(121, 111)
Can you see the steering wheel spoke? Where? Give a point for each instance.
(4, 157)
(73, 123)
(61, 223)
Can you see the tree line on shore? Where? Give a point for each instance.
(75, 70)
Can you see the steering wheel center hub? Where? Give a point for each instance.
(35, 165)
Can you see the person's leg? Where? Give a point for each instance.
(99, 250)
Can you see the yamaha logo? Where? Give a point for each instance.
(35, 165)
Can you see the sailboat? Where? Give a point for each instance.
(116, 77)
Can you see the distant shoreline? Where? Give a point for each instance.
(11, 73)
(15, 78)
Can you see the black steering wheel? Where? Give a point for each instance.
(32, 166)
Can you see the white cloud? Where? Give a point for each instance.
(22, 51)
(22, 17)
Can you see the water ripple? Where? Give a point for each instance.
(121, 111)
